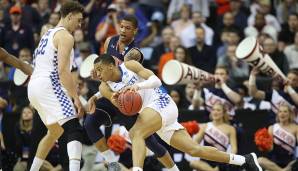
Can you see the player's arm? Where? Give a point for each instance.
(133, 54)
(151, 80)
(252, 87)
(233, 140)
(64, 43)
(15, 62)
(105, 46)
(106, 92)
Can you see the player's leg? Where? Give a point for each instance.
(152, 143)
(202, 165)
(46, 144)
(148, 122)
(268, 164)
(74, 133)
(182, 141)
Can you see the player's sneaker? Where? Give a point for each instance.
(114, 166)
(251, 163)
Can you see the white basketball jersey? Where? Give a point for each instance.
(149, 96)
(46, 56)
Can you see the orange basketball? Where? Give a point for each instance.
(130, 103)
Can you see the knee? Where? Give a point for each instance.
(261, 160)
(55, 134)
(136, 133)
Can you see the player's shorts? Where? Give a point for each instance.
(169, 114)
(51, 102)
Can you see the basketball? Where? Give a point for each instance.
(130, 103)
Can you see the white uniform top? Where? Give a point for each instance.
(155, 96)
(45, 55)
(45, 91)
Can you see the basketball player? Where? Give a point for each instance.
(123, 48)
(158, 114)
(15, 62)
(51, 87)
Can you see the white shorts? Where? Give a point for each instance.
(51, 102)
(169, 115)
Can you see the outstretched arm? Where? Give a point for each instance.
(15, 62)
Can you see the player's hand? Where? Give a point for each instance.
(93, 75)
(130, 88)
(91, 105)
(114, 99)
(79, 107)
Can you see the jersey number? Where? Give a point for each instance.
(40, 50)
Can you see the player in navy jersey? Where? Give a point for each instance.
(287, 95)
(158, 113)
(122, 48)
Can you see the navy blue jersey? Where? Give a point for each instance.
(114, 51)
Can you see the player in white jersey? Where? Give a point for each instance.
(51, 88)
(159, 113)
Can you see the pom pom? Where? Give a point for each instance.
(192, 127)
(264, 140)
(117, 143)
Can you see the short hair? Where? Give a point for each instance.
(105, 59)
(132, 19)
(222, 67)
(71, 7)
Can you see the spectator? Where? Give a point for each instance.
(260, 26)
(179, 98)
(264, 7)
(238, 69)
(54, 18)
(174, 43)
(287, 95)
(184, 28)
(23, 138)
(279, 58)
(239, 13)
(292, 53)
(202, 55)
(43, 10)
(199, 20)
(175, 7)
(221, 93)
(287, 34)
(284, 9)
(284, 133)
(16, 35)
(219, 134)
(164, 47)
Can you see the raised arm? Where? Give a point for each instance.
(252, 87)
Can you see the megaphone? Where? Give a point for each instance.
(250, 51)
(175, 72)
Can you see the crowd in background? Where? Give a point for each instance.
(201, 33)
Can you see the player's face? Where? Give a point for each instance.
(127, 31)
(217, 112)
(283, 113)
(103, 71)
(76, 20)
